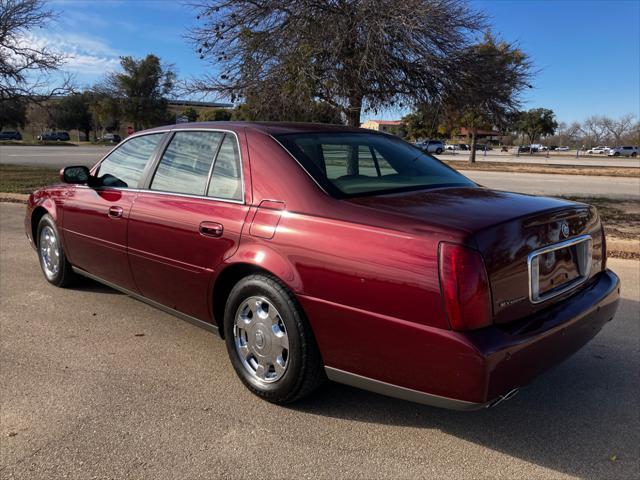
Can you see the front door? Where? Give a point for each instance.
(95, 220)
(188, 220)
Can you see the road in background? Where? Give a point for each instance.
(534, 183)
(558, 184)
(56, 157)
(89, 155)
(98, 385)
(541, 158)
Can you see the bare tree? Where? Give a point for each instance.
(620, 127)
(567, 134)
(594, 130)
(351, 54)
(24, 68)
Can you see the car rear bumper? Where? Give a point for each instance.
(515, 355)
(459, 370)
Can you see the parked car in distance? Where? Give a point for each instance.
(10, 135)
(599, 150)
(562, 149)
(456, 146)
(54, 137)
(364, 259)
(431, 146)
(627, 151)
(110, 138)
(527, 149)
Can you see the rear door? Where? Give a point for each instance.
(96, 217)
(188, 220)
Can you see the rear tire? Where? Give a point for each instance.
(269, 341)
(53, 261)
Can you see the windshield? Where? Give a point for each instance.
(356, 164)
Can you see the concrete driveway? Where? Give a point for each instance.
(97, 385)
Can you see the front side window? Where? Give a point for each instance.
(123, 167)
(185, 164)
(354, 164)
(226, 180)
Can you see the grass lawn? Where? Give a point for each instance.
(621, 218)
(21, 179)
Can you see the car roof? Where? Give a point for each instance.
(269, 128)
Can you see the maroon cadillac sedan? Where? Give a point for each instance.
(320, 252)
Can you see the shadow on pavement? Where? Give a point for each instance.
(85, 284)
(572, 419)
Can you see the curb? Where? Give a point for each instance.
(14, 197)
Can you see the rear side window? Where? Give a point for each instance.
(355, 164)
(185, 164)
(123, 167)
(226, 180)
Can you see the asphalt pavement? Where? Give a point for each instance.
(94, 384)
(558, 184)
(48, 156)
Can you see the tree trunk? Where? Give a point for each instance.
(353, 116)
(353, 120)
(532, 138)
(472, 153)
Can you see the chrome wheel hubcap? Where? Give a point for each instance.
(261, 340)
(49, 252)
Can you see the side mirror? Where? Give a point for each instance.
(76, 175)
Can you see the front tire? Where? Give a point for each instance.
(53, 261)
(269, 341)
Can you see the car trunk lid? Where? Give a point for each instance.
(507, 228)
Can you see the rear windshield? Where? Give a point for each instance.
(357, 164)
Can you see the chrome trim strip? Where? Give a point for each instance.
(584, 266)
(213, 164)
(183, 316)
(402, 393)
(158, 192)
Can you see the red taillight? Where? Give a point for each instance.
(465, 287)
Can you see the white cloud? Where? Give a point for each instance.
(84, 55)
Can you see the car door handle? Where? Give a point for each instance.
(211, 229)
(115, 212)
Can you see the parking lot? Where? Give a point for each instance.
(98, 385)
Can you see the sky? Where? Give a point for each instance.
(586, 53)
